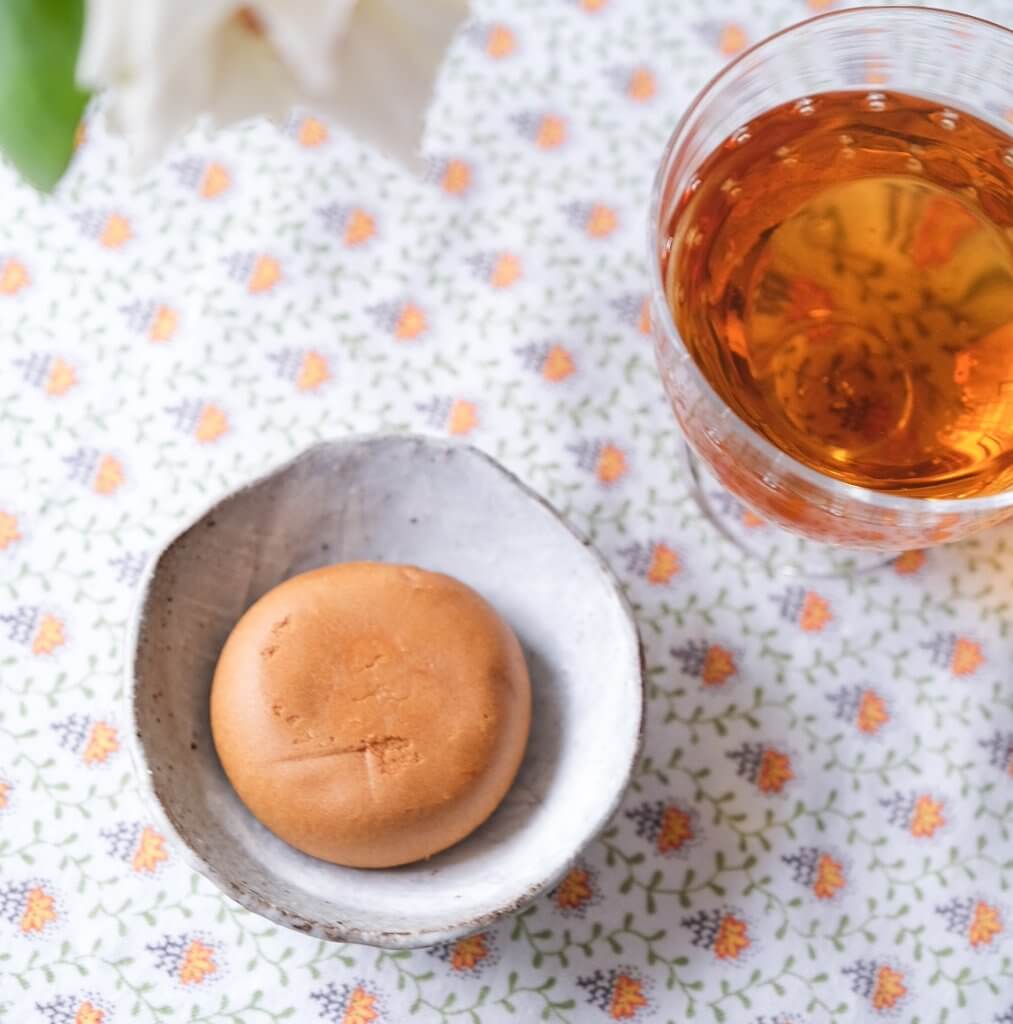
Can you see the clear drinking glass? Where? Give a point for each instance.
(941, 56)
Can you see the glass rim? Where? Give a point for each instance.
(780, 458)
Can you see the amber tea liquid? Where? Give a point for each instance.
(842, 272)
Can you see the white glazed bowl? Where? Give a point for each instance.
(440, 506)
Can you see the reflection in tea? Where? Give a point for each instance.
(841, 270)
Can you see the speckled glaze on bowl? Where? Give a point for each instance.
(440, 506)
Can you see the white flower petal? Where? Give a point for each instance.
(370, 63)
(125, 40)
(306, 34)
(388, 62)
(265, 87)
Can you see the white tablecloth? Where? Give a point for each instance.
(819, 828)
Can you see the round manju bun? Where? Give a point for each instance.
(371, 714)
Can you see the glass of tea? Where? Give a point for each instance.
(832, 294)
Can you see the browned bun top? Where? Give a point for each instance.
(371, 714)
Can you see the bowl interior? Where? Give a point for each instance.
(441, 507)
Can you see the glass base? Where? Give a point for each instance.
(778, 550)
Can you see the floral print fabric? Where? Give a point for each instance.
(818, 830)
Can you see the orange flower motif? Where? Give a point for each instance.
(627, 998)
(456, 178)
(215, 181)
(611, 464)
(198, 963)
(676, 830)
(551, 132)
(829, 877)
(108, 476)
(664, 564)
(815, 613)
(313, 372)
(601, 221)
(718, 666)
(500, 42)
(775, 771)
(732, 939)
(311, 133)
(732, 39)
(150, 851)
(359, 228)
(469, 952)
(61, 377)
(874, 73)
(644, 323)
(410, 323)
(985, 925)
(506, 271)
(558, 364)
(889, 990)
(163, 324)
(872, 713)
(821, 5)
(5, 790)
(908, 563)
(942, 227)
(642, 86)
(115, 232)
(927, 818)
(265, 275)
(102, 742)
(361, 1007)
(463, 417)
(943, 530)
(40, 910)
(575, 889)
(593, 6)
(967, 657)
(211, 424)
(13, 277)
(88, 1013)
(8, 530)
(48, 636)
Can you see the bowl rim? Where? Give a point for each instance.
(259, 903)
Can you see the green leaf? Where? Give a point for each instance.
(40, 103)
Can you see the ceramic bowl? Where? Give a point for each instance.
(440, 506)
